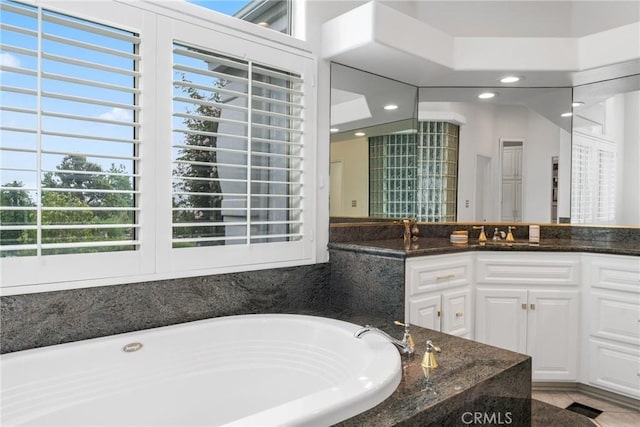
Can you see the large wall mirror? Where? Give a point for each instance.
(457, 157)
(605, 186)
(364, 107)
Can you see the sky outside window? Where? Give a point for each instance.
(62, 61)
(228, 7)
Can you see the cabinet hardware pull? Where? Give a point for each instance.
(458, 314)
(445, 277)
(439, 313)
(533, 306)
(524, 306)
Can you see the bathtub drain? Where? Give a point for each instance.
(131, 347)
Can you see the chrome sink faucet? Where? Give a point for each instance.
(406, 345)
(498, 235)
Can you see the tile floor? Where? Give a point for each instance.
(612, 415)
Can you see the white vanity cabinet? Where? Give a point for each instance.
(611, 344)
(438, 293)
(529, 302)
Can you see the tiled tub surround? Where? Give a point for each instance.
(48, 318)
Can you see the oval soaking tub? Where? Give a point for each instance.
(251, 370)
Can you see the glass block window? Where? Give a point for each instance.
(415, 175)
(437, 171)
(392, 175)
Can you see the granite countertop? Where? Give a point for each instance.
(462, 365)
(396, 248)
(470, 376)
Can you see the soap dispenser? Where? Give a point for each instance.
(429, 358)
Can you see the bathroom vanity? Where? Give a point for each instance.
(573, 306)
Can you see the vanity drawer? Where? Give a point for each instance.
(615, 316)
(528, 268)
(617, 272)
(431, 273)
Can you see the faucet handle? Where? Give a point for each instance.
(407, 335)
(482, 237)
(432, 347)
(429, 359)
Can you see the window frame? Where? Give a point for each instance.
(159, 25)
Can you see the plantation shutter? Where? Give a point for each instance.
(593, 181)
(237, 151)
(70, 104)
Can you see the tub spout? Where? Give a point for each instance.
(405, 345)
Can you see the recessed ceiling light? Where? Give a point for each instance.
(334, 130)
(567, 114)
(263, 24)
(575, 104)
(360, 134)
(486, 95)
(391, 107)
(510, 79)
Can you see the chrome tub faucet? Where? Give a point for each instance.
(405, 345)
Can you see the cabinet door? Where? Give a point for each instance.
(501, 318)
(614, 367)
(456, 313)
(552, 334)
(426, 311)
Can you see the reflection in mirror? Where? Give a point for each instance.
(516, 162)
(452, 156)
(514, 158)
(605, 176)
(364, 107)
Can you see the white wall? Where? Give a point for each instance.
(628, 202)
(354, 155)
(485, 125)
(476, 137)
(542, 143)
(564, 176)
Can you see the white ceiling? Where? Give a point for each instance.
(549, 43)
(521, 18)
(477, 19)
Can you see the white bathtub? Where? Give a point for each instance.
(254, 370)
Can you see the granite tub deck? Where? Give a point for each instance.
(472, 380)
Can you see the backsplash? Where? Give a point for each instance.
(48, 318)
(354, 231)
(367, 285)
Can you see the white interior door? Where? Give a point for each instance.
(511, 189)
